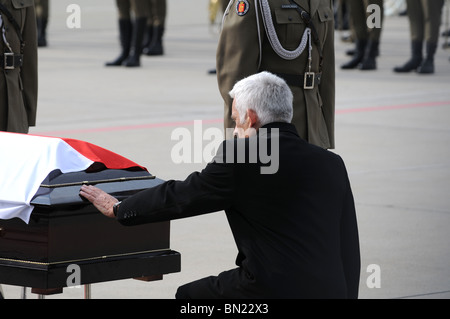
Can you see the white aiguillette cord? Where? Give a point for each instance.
(2, 27)
(273, 38)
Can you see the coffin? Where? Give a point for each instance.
(65, 232)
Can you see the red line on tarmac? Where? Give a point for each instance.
(211, 121)
(392, 107)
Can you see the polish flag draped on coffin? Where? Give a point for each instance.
(26, 160)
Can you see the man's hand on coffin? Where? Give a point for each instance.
(100, 199)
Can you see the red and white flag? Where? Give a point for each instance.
(26, 160)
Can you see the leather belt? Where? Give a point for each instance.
(10, 61)
(299, 79)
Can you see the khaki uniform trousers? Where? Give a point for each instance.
(138, 7)
(157, 10)
(359, 14)
(42, 8)
(425, 19)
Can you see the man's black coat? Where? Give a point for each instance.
(295, 230)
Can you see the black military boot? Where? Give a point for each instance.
(357, 57)
(156, 46)
(134, 59)
(427, 66)
(125, 31)
(369, 62)
(415, 61)
(42, 32)
(148, 39)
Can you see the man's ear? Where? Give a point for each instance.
(254, 120)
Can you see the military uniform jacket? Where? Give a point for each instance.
(244, 49)
(18, 86)
(295, 226)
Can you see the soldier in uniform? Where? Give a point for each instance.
(131, 31)
(294, 40)
(155, 28)
(18, 65)
(42, 15)
(425, 21)
(367, 39)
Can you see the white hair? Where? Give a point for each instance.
(266, 94)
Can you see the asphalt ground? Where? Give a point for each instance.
(391, 130)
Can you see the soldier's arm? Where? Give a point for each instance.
(30, 68)
(327, 83)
